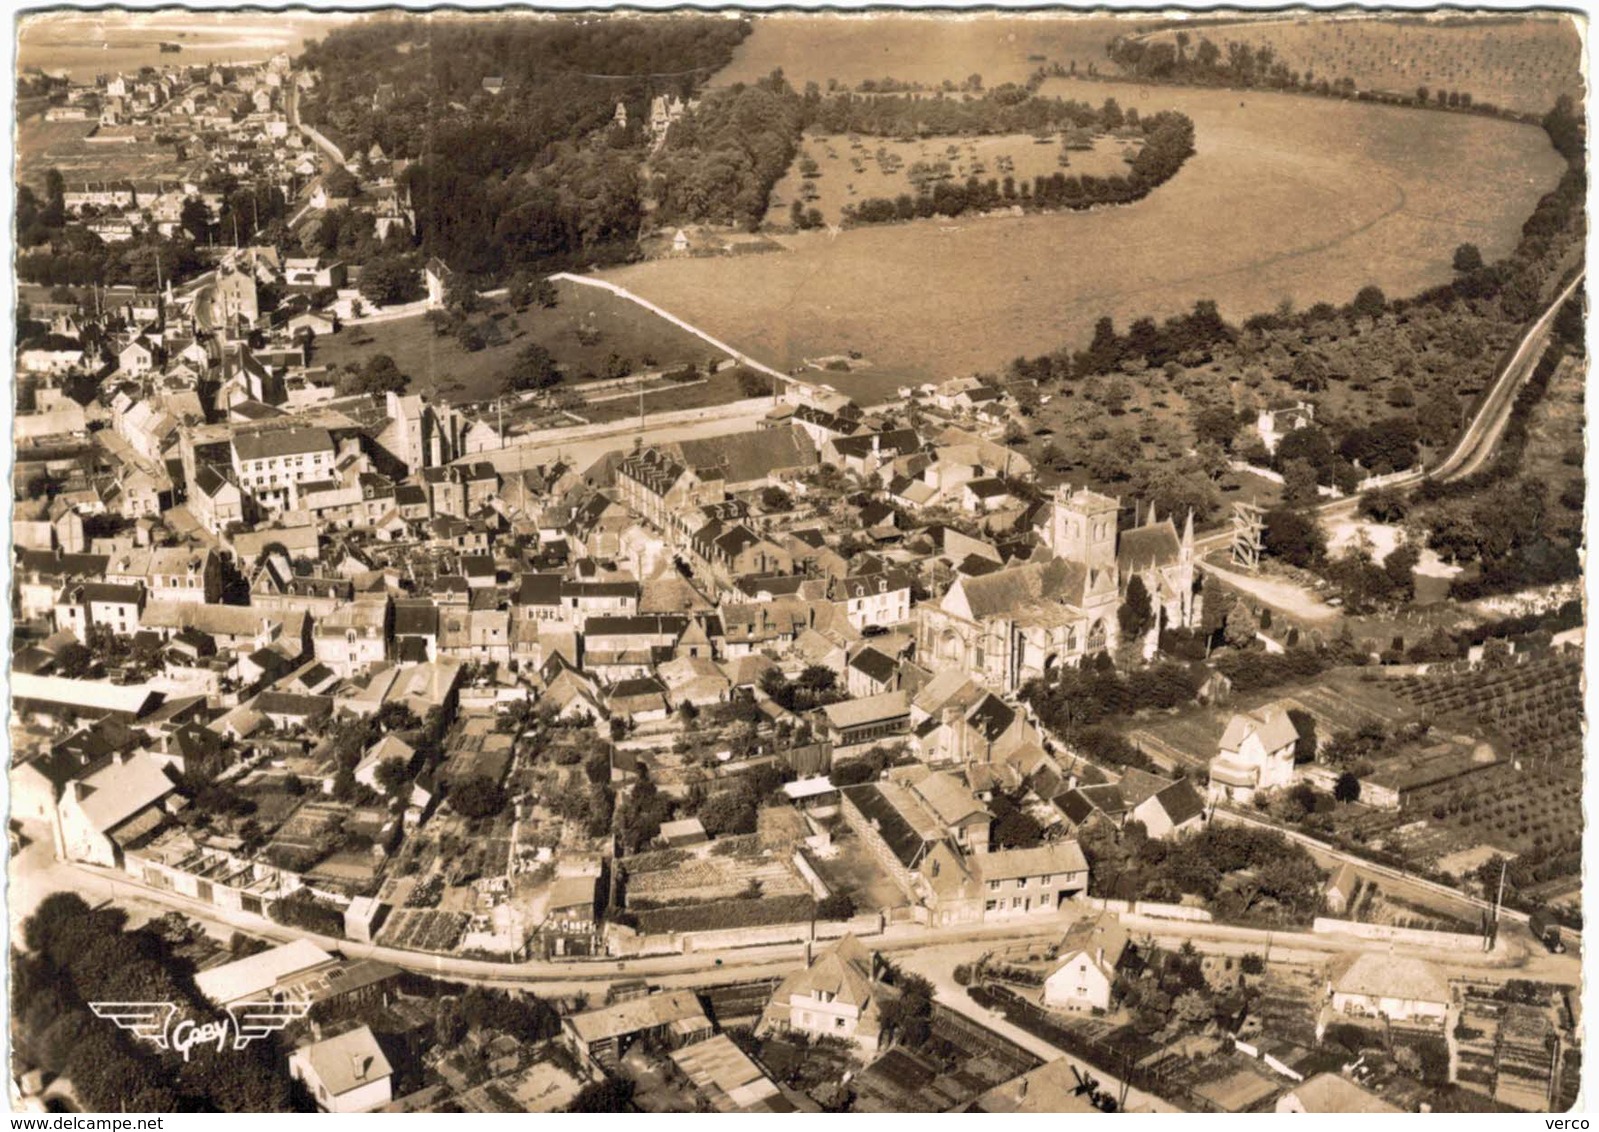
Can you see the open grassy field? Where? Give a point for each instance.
(1288, 196)
(441, 368)
(65, 146)
(923, 49)
(853, 170)
(668, 397)
(1521, 63)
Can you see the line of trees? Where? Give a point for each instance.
(1168, 142)
(1238, 63)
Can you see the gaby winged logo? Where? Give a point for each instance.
(245, 1022)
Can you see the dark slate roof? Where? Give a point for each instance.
(902, 839)
(281, 442)
(539, 589)
(992, 717)
(289, 703)
(877, 665)
(1180, 801)
(112, 592)
(639, 686)
(207, 480)
(54, 564)
(416, 618)
(626, 626)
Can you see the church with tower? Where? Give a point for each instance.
(1015, 624)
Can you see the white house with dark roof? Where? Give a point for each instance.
(1255, 755)
(879, 596)
(272, 464)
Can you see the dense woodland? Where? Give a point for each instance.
(538, 175)
(77, 955)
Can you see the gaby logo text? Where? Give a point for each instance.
(157, 1023)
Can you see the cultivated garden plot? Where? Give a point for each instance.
(423, 929)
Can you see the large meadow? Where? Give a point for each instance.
(1519, 63)
(926, 49)
(1288, 197)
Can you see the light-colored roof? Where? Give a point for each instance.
(1389, 976)
(843, 971)
(1328, 1092)
(730, 1081)
(570, 892)
(1090, 934)
(391, 746)
(129, 698)
(1053, 1087)
(119, 790)
(1271, 723)
(222, 620)
(1054, 859)
(683, 827)
(348, 1061)
(809, 787)
(948, 685)
(949, 798)
(257, 974)
(638, 1014)
(869, 709)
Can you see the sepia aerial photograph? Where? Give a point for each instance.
(740, 561)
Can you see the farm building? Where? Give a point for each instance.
(674, 1018)
(728, 1080)
(1388, 988)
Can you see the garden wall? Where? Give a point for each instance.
(1451, 941)
(1150, 908)
(625, 943)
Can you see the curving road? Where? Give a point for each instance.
(1480, 436)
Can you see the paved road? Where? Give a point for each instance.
(1477, 443)
(36, 873)
(1480, 436)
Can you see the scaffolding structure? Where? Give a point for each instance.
(1248, 523)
